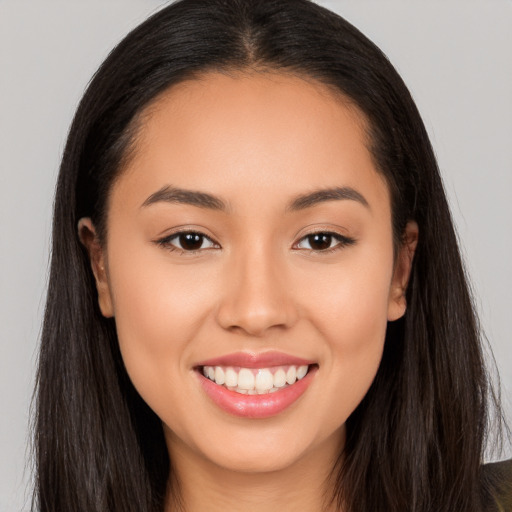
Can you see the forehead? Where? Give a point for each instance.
(257, 132)
(266, 103)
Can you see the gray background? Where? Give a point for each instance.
(456, 57)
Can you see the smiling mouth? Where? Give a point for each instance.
(255, 381)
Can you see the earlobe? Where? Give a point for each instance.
(89, 239)
(397, 303)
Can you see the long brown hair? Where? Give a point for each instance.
(415, 442)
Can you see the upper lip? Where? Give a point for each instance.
(256, 360)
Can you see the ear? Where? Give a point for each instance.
(397, 303)
(89, 239)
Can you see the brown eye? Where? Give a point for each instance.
(324, 242)
(320, 241)
(187, 241)
(190, 241)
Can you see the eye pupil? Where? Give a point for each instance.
(320, 241)
(191, 241)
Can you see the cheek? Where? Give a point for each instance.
(351, 313)
(350, 299)
(158, 311)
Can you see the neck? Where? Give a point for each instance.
(201, 485)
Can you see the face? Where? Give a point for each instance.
(250, 239)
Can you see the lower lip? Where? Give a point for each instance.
(257, 406)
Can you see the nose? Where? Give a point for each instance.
(256, 297)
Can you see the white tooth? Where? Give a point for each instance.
(262, 391)
(273, 390)
(245, 379)
(211, 372)
(219, 375)
(252, 392)
(301, 371)
(291, 375)
(279, 378)
(205, 371)
(264, 380)
(231, 378)
(243, 391)
(231, 388)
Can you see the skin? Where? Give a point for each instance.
(257, 141)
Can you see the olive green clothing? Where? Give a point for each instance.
(497, 486)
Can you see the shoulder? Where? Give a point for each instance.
(497, 486)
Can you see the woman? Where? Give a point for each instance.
(256, 298)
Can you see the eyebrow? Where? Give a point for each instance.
(169, 194)
(308, 200)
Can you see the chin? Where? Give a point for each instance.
(257, 459)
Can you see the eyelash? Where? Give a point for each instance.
(343, 241)
(166, 242)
